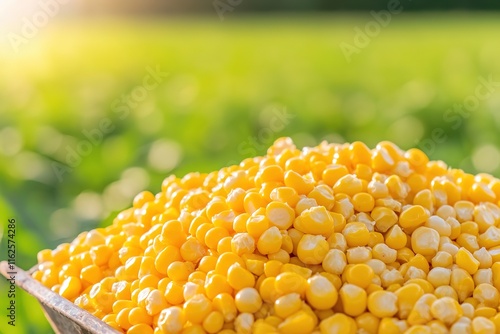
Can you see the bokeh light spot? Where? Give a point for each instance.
(11, 141)
(88, 206)
(63, 223)
(406, 131)
(164, 155)
(486, 158)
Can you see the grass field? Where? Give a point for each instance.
(82, 129)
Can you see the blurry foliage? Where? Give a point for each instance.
(224, 79)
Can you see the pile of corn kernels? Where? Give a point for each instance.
(337, 238)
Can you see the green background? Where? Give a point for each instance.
(227, 80)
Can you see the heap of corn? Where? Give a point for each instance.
(337, 238)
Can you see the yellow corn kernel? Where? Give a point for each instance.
(381, 159)
(363, 202)
(484, 311)
(272, 173)
(155, 302)
(359, 153)
(354, 299)
(226, 260)
(465, 260)
(165, 257)
(242, 243)
(367, 322)
(280, 214)
(356, 234)
(421, 311)
(487, 295)
(248, 300)
(122, 318)
(139, 315)
(92, 274)
(225, 304)
(413, 217)
(446, 291)
(439, 276)
(323, 196)
(197, 308)
(238, 277)
(140, 329)
(244, 323)
(289, 282)
(70, 288)
(420, 329)
(442, 259)
(395, 238)
(286, 195)
(174, 293)
(407, 297)
(437, 327)
(270, 241)
(483, 276)
(192, 250)
(358, 255)
(333, 173)
(397, 189)
(343, 205)
(304, 203)
(224, 245)
(360, 274)
(348, 184)
(100, 254)
(312, 249)
(469, 227)
(280, 255)
(320, 293)
(446, 310)
(301, 184)
(298, 323)
(468, 241)
(384, 218)
(462, 282)
(382, 304)
(334, 262)
(425, 241)
(464, 210)
(214, 322)
(375, 238)
(214, 235)
(315, 220)
(482, 325)
(287, 305)
(172, 320)
(179, 271)
(256, 225)
(216, 284)
(439, 224)
(489, 238)
(392, 326)
(384, 253)
(240, 222)
(338, 323)
(272, 268)
(496, 321)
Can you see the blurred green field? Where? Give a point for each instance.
(226, 84)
